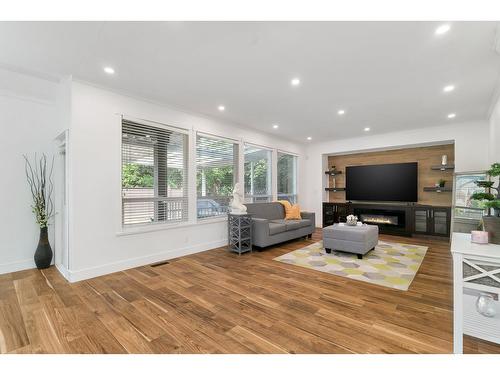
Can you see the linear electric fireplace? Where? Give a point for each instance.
(388, 219)
(379, 219)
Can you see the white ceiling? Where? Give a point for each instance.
(386, 75)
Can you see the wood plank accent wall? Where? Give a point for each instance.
(425, 156)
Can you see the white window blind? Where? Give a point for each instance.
(258, 179)
(154, 174)
(216, 174)
(287, 177)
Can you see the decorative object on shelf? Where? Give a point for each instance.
(352, 220)
(333, 171)
(441, 183)
(491, 223)
(485, 305)
(444, 160)
(479, 236)
(333, 183)
(39, 177)
(237, 206)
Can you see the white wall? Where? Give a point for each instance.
(96, 244)
(29, 123)
(495, 134)
(471, 153)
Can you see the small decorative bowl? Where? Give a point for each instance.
(479, 236)
(352, 220)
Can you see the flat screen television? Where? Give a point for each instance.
(383, 183)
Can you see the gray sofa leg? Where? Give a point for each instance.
(360, 256)
(329, 251)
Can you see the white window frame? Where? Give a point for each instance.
(273, 169)
(192, 133)
(153, 226)
(296, 170)
(236, 174)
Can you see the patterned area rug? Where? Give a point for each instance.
(390, 264)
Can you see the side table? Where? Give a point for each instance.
(476, 285)
(239, 228)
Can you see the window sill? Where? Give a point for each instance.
(161, 227)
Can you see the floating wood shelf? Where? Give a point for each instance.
(442, 167)
(333, 173)
(437, 189)
(334, 189)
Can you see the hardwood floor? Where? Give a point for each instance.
(218, 302)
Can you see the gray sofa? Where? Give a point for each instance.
(269, 226)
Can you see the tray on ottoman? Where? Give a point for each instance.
(358, 239)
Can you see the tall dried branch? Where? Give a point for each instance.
(41, 187)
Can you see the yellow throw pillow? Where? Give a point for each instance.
(291, 212)
(286, 205)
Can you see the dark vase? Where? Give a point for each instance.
(43, 253)
(492, 226)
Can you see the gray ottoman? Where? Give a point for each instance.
(351, 239)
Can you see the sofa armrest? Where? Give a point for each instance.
(259, 224)
(260, 231)
(310, 216)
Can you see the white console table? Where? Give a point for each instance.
(476, 270)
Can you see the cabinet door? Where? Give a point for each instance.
(422, 218)
(441, 221)
(328, 214)
(341, 214)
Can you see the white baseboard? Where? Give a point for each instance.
(17, 266)
(105, 269)
(63, 271)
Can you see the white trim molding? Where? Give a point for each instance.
(88, 273)
(20, 265)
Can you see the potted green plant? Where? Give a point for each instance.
(491, 222)
(442, 183)
(39, 176)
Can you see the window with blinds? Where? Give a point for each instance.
(258, 179)
(216, 174)
(154, 174)
(287, 177)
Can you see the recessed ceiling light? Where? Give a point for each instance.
(449, 88)
(275, 126)
(443, 29)
(221, 108)
(340, 112)
(452, 115)
(295, 82)
(367, 129)
(109, 70)
(309, 138)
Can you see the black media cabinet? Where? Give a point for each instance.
(402, 220)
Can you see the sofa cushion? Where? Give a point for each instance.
(275, 228)
(296, 224)
(293, 224)
(270, 211)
